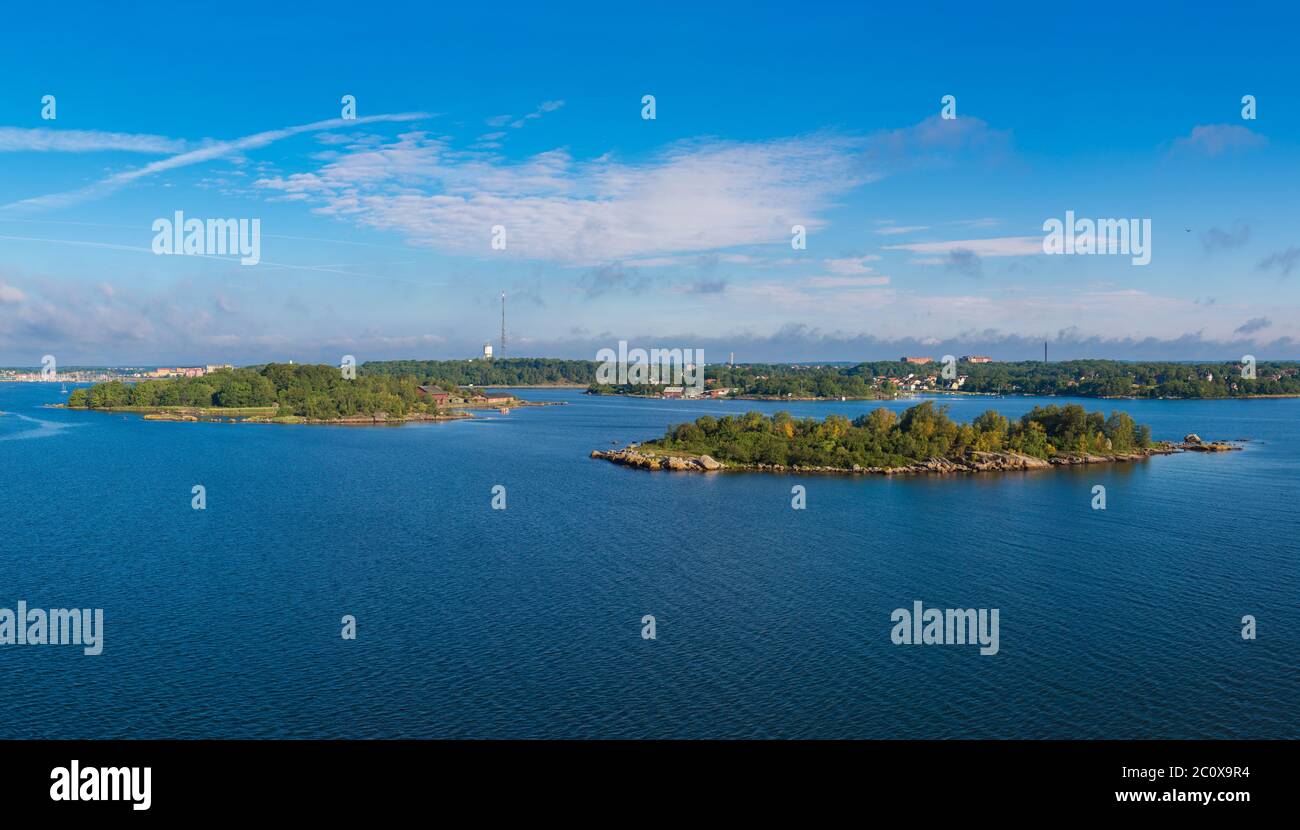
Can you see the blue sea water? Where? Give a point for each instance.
(526, 622)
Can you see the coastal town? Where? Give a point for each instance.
(105, 374)
(879, 385)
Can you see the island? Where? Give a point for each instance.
(923, 439)
(289, 393)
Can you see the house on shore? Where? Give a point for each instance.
(491, 397)
(438, 396)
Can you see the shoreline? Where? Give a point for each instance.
(532, 387)
(267, 414)
(939, 392)
(201, 415)
(936, 392)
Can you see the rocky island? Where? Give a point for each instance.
(922, 440)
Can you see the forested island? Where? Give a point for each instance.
(288, 393)
(921, 439)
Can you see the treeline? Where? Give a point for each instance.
(793, 381)
(1081, 378)
(878, 379)
(775, 381)
(310, 391)
(884, 438)
(509, 372)
(1110, 378)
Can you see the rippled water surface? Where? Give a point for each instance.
(526, 622)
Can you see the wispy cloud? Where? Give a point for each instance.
(691, 197)
(1282, 261)
(993, 247)
(709, 286)
(1253, 325)
(43, 140)
(610, 278)
(899, 230)
(542, 109)
(208, 152)
(1217, 238)
(322, 269)
(846, 282)
(1216, 139)
(965, 261)
(850, 266)
(9, 295)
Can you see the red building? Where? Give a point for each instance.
(440, 397)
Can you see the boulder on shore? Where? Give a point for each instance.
(1214, 446)
(632, 458)
(1192, 438)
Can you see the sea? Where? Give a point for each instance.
(500, 581)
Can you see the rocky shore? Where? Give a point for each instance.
(377, 418)
(645, 458)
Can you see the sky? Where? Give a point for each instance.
(923, 234)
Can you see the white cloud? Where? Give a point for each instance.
(14, 139)
(1215, 139)
(846, 282)
(10, 295)
(542, 109)
(692, 197)
(997, 246)
(208, 152)
(850, 266)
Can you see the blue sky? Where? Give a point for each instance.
(923, 233)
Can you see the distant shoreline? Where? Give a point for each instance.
(530, 386)
(917, 393)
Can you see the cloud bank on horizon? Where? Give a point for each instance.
(779, 221)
